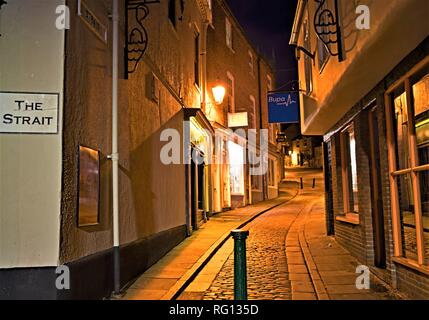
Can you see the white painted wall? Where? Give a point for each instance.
(31, 60)
(396, 28)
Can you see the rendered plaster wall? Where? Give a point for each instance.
(151, 194)
(32, 53)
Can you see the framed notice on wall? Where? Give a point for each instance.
(88, 187)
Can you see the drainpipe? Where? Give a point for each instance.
(204, 103)
(115, 155)
(261, 123)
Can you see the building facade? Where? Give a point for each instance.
(56, 209)
(367, 93)
(304, 152)
(232, 60)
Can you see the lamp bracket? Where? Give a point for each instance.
(308, 53)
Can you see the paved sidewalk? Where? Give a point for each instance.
(165, 279)
(319, 268)
(331, 267)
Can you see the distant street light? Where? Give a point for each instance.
(218, 93)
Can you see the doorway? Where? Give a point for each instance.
(376, 192)
(197, 190)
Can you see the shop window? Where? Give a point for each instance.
(236, 164)
(349, 170)
(408, 120)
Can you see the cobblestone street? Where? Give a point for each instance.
(266, 258)
(289, 257)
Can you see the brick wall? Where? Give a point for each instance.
(412, 283)
(359, 239)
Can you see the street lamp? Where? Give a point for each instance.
(218, 93)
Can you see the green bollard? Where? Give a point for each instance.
(240, 268)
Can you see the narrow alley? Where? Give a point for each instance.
(214, 150)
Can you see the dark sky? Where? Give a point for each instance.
(268, 24)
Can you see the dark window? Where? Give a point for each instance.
(197, 60)
(323, 53)
(172, 11)
(307, 61)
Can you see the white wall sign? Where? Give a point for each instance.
(29, 112)
(238, 119)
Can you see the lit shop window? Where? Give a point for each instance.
(408, 107)
(236, 164)
(349, 170)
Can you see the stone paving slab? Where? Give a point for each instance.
(335, 267)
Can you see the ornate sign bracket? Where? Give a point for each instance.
(328, 30)
(135, 33)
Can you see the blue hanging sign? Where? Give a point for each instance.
(283, 107)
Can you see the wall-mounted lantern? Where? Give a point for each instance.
(218, 93)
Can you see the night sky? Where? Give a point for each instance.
(268, 25)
